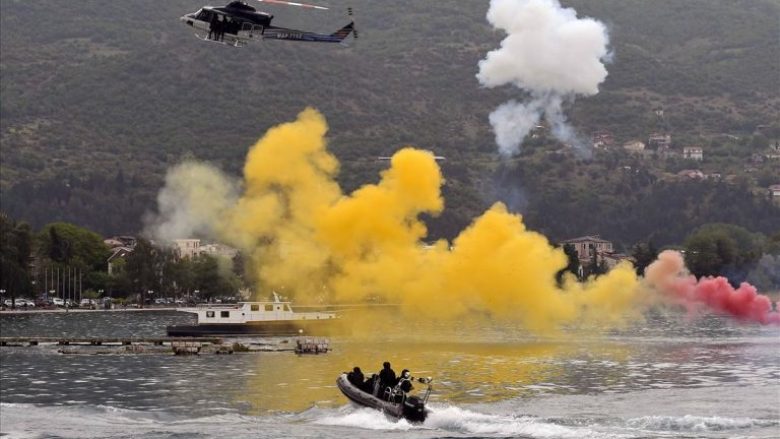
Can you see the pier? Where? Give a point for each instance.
(101, 341)
(167, 345)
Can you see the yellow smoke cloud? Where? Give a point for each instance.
(310, 241)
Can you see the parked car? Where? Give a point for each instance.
(159, 301)
(20, 302)
(87, 303)
(57, 301)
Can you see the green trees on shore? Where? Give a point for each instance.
(65, 257)
(15, 253)
(724, 249)
(30, 260)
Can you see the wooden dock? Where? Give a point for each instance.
(108, 341)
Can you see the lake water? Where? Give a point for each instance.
(667, 377)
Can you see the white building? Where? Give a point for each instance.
(220, 250)
(634, 146)
(187, 248)
(693, 153)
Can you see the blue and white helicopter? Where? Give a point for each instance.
(238, 23)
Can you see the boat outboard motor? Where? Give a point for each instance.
(414, 409)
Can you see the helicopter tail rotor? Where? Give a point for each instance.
(352, 17)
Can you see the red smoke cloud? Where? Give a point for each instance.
(670, 278)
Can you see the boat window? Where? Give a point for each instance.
(224, 313)
(269, 307)
(210, 314)
(287, 307)
(278, 307)
(255, 307)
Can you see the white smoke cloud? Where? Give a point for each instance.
(195, 197)
(551, 54)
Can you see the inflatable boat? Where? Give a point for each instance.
(393, 403)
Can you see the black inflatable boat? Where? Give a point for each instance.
(409, 407)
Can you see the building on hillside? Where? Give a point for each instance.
(635, 146)
(116, 254)
(693, 174)
(539, 131)
(774, 191)
(693, 153)
(220, 250)
(713, 176)
(660, 141)
(120, 241)
(602, 139)
(187, 248)
(587, 246)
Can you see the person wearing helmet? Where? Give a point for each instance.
(405, 381)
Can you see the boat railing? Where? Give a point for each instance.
(219, 305)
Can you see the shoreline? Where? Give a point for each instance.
(64, 311)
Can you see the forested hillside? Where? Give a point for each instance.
(99, 98)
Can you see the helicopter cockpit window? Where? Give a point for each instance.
(204, 15)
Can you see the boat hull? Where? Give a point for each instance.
(285, 327)
(396, 410)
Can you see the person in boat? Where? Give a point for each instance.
(386, 377)
(356, 377)
(405, 381)
(403, 387)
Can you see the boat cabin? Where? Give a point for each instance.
(246, 312)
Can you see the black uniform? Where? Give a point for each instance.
(356, 377)
(386, 378)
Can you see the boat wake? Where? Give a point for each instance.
(23, 421)
(453, 419)
(462, 421)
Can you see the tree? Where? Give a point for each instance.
(723, 249)
(573, 265)
(644, 253)
(141, 271)
(214, 276)
(69, 244)
(766, 275)
(15, 252)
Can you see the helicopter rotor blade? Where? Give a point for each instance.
(303, 5)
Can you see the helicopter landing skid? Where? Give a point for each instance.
(235, 43)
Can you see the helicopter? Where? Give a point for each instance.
(237, 23)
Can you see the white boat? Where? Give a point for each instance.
(253, 318)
